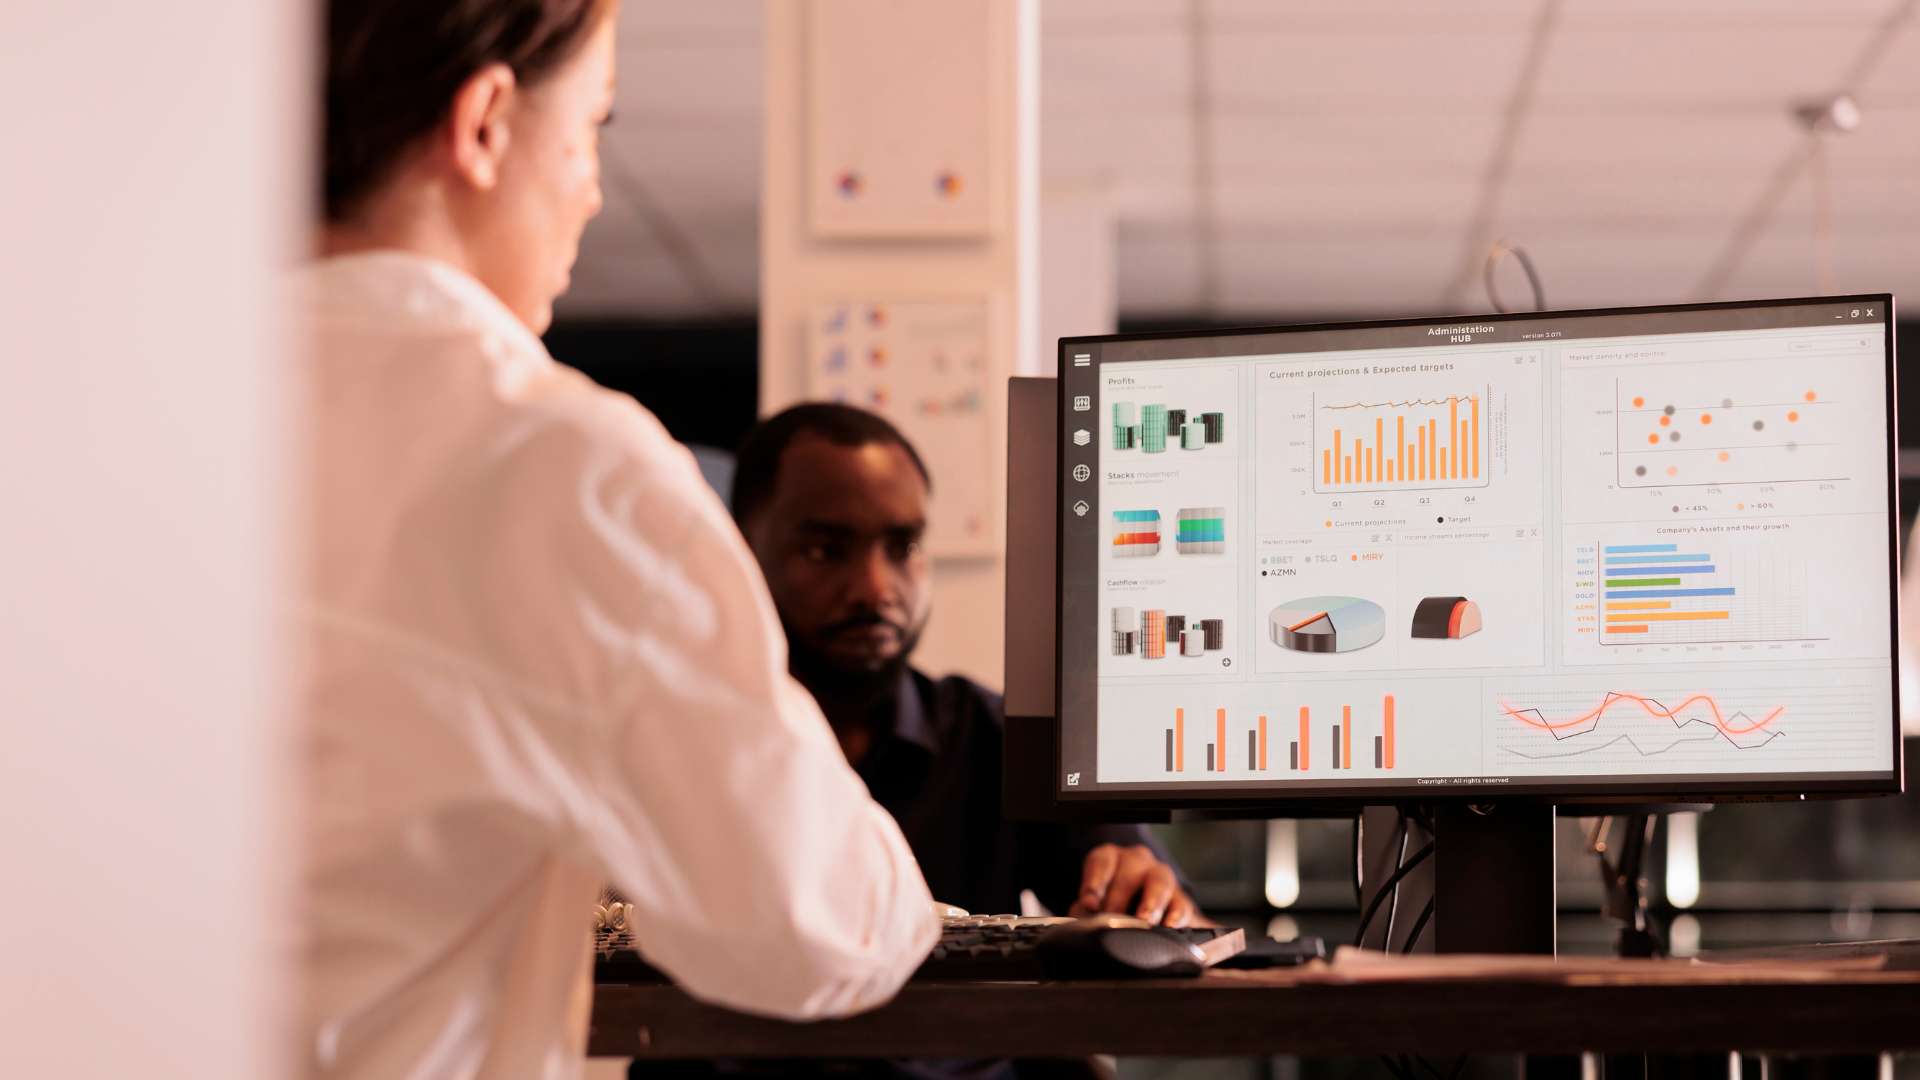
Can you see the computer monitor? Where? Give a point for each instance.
(1638, 554)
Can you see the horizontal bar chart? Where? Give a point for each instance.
(1711, 592)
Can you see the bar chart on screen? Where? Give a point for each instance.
(1438, 442)
(1291, 732)
(1755, 725)
(1403, 445)
(1253, 745)
(1640, 594)
(1699, 592)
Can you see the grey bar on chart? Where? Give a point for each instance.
(1376, 752)
(1336, 746)
(1293, 756)
(1169, 749)
(1210, 757)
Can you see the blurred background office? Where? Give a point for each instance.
(1115, 164)
(1233, 162)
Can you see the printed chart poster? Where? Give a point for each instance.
(922, 364)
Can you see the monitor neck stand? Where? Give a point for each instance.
(1493, 878)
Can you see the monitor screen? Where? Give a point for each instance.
(1632, 552)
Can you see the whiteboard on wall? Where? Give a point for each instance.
(898, 113)
(924, 364)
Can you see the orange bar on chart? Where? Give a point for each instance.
(1180, 740)
(1464, 470)
(1386, 726)
(1420, 455)
(1380, 445)
(1433, 450)
(1346, 736)
(1453, 428)
(1304, 756)
(1263, 742)
(1326, 466)
(1339, 460)
(1400, 447)
(1220, 740)
(1476, 437)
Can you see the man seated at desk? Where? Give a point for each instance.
(833, 503)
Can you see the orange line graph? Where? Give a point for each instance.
(1651, 707)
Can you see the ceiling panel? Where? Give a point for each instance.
(1737, 62)
(1115, 71)
(1365, 205)
(663, 22)
(1335, 149)
(1388, 16)
(1725, 12)
(1367, 67)
(1061, 17)
(691, 84)
(1351, 142)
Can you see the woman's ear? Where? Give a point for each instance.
(477, 129)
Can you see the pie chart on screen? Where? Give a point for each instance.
(1327, 624)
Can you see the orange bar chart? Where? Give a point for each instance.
(1258, 735)
(1386, 726)
(1368, 444)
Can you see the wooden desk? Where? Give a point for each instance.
(1248, 1013)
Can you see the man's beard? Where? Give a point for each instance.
(843, 683)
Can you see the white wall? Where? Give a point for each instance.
(150, 187)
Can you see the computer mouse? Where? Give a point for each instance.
(1115, 947)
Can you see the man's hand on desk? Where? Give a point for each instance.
(1133, 881)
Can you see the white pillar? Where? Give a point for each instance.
(154, 189)
(901, 169)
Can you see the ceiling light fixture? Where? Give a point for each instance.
(1835, 113)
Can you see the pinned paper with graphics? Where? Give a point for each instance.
(898, 118)
(922, 364)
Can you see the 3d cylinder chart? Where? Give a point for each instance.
(1446, 617)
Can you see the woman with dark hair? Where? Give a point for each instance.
(537, 654)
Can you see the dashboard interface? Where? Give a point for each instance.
(1605, 552)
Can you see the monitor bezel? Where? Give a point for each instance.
(1323, 800)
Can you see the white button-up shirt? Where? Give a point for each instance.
(538, 658)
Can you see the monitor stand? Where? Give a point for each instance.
(1493, 878)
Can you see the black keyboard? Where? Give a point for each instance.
(988, 948)
(978, 948)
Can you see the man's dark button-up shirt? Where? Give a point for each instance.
(937, 771)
